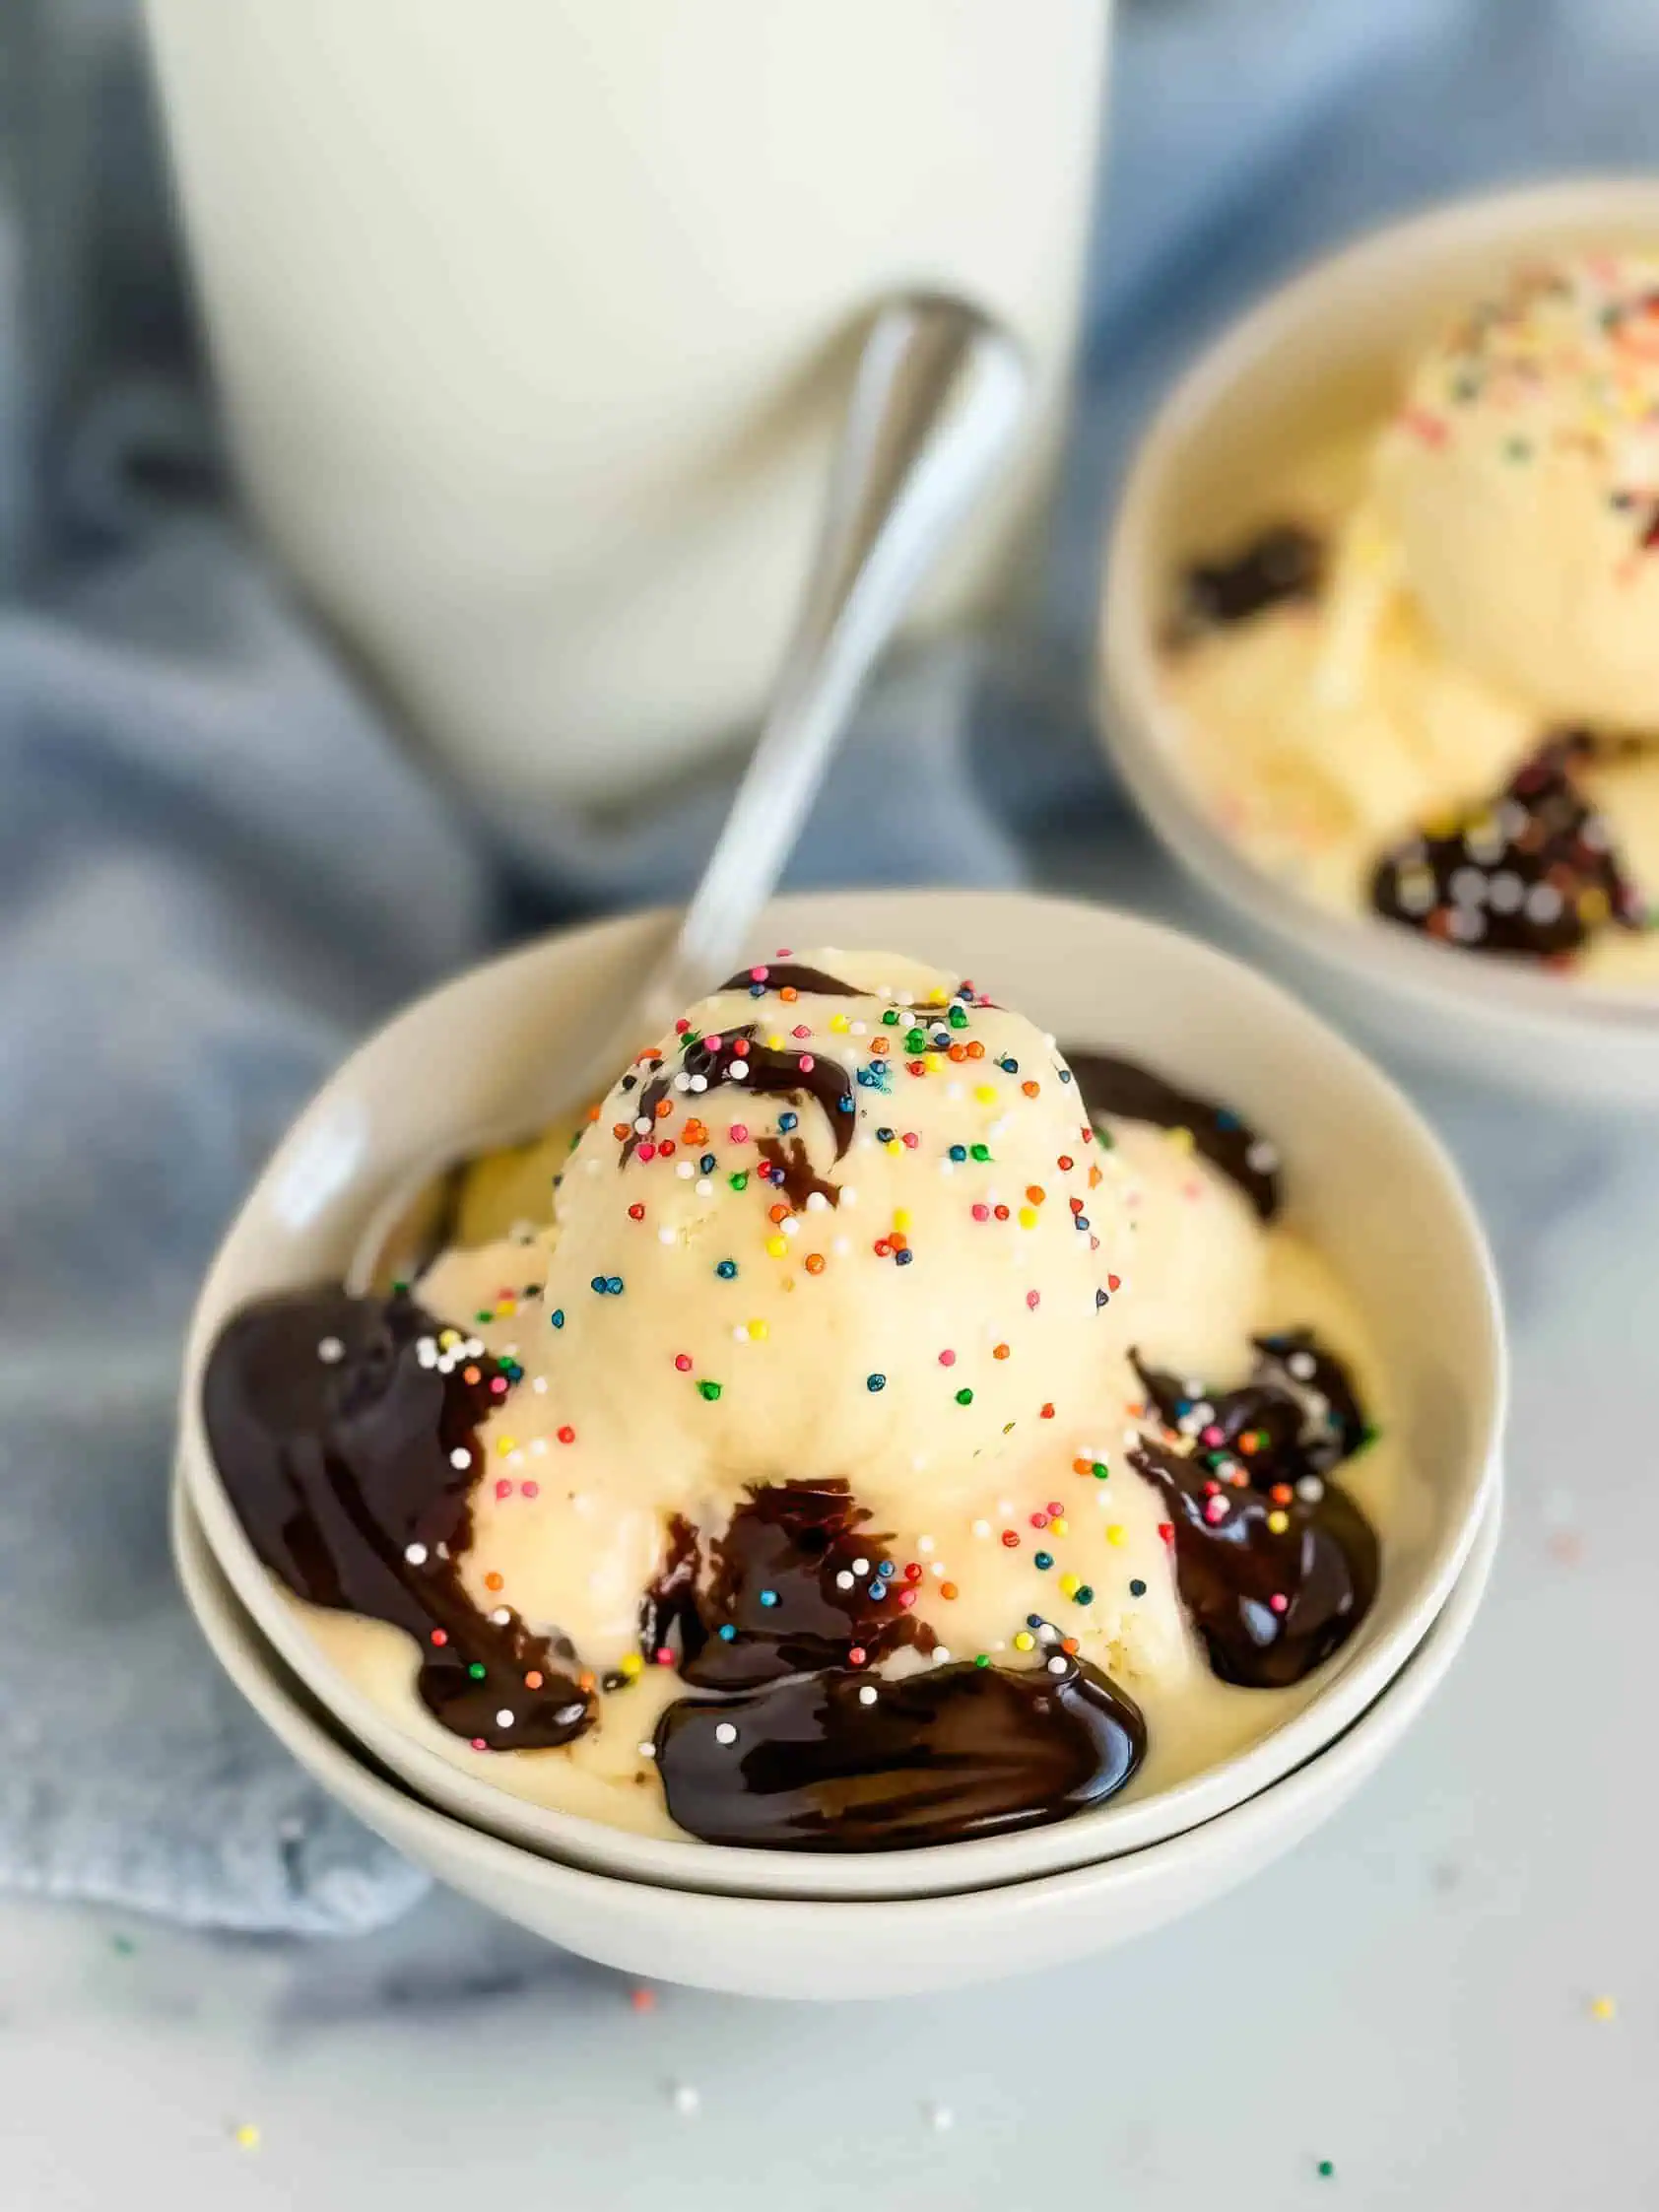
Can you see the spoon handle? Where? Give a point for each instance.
(940, 391)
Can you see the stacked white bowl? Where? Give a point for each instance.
(1364, 1179)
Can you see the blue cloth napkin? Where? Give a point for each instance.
(216, 866)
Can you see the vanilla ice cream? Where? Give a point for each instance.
(875, 1400)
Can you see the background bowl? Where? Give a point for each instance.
(776, 1947)
(1325, 357)
(1363, 1177)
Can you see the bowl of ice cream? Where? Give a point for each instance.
(1381, 642)
(903, 1444)
(781, 1947)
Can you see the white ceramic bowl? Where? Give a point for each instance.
(1324, 357)
(1362, 1173)
(778, 1947)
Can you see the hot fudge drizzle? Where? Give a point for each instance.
(1273, 1561)
(349, 1454)
(1113, 1086)
(1531, 872)
(843, 1761)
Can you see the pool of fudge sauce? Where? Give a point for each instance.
(1193, 1719)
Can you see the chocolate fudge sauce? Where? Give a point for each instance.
(349, 1454)
(768, 1072)
(1273, 1561)
(1531, 871)
(1283, 562)
(1122, 1087)
(842, 1760)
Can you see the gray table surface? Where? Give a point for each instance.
(1419, 1995)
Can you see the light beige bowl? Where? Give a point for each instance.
(1364, 1175)
(776, 1947)
(1324, 358)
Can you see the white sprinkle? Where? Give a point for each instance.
(1303, 1366)
(740, 1335)
(725, 1733)
(1048, 1633)
(425, 1353)
(460, 1458)
(941, 1658)
(1262, 1157)
(1505, 893)
(1468, 886)
(642, 1127)
(646, 1750)
(1310, 1489)
(816, 1203)
(699, 1082)
(924, 1543)
(981, 1528)
(504, 1719)
(666, 1235)
(1467, 926)
(844, 1580)
(937, 1567)
(416, 1553)
(841, 1246)
(850, 1196)
(739, 1072)
(1543, 902)
(865, 1696)
(940, 2119)
(687, 2102)
(861, 1567)
(1058, 1665)
(538, 1446)
(330, 1351)
(705, 1189)
(501, 1616)
(540, 1385)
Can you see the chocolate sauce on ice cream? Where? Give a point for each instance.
(1275, 1563)
(1124, 1088)
(1531, 871)
(1283, 562)
(346, 1431)
(841, 1761)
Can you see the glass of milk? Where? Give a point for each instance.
(533, 321)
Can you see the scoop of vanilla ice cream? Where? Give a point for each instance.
(1194, 1271)
(920, 1305)
(904, 1315)
(1520, 481)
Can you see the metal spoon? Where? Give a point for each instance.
(939, 392)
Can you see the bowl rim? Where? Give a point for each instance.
(262, 1678)
(1137, 723)
(688, 1864)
